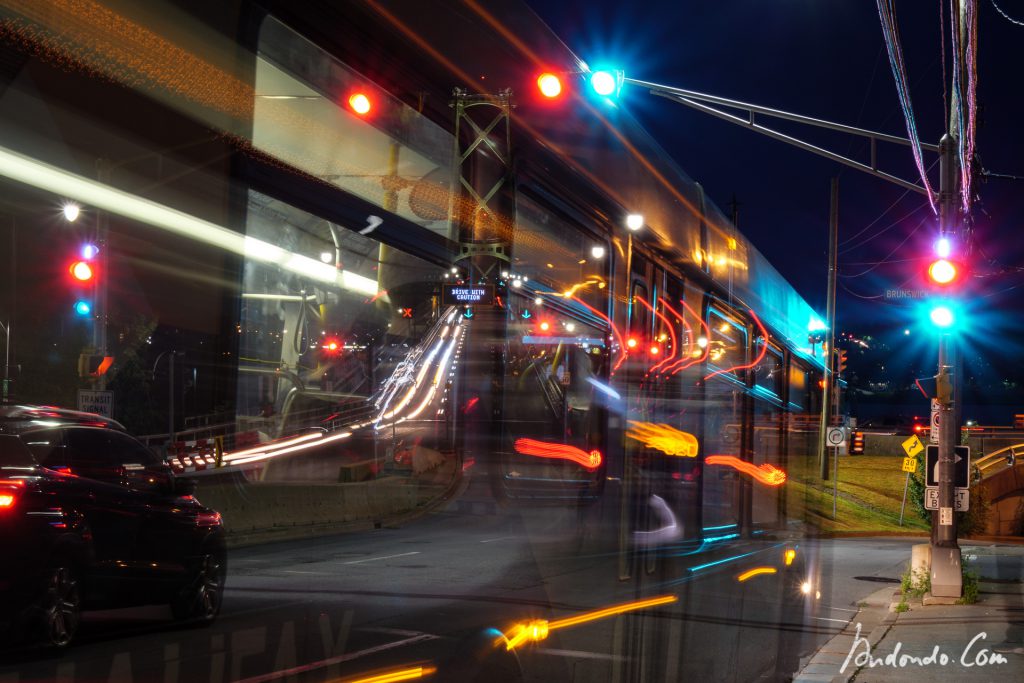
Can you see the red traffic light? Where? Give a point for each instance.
(943, 272)
(360, 103)
(82, 271)
(550, 85)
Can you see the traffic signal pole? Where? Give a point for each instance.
(946, 576)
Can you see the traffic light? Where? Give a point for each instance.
(360, 103)
(93, 365)
(841, 361)
(606, 83)
(84, 274)
(944, 276)
(857, 443)
(549, 84)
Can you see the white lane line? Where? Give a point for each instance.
(312, 666)
(841, 621)
(492, 540)
(385, 557)
(843, 609)
(580, 654)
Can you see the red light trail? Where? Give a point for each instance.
(558, 451)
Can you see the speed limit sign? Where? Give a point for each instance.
(835, 437)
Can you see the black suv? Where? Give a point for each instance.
(92, 519)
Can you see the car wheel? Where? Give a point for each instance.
(199, 600)
(59, 606)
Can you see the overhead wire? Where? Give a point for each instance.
(882, 231)
(1005, 15)
(897, 248)
(886, 13)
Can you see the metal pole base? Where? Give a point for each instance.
(947, 579)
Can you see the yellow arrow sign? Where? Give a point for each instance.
(913, 446)
(909, 464)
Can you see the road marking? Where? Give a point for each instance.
(312, 666)
(492, 540)
(841, 621)
(386, 557)
(843, 609)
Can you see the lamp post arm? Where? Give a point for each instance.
(796, 142)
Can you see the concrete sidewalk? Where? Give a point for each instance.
(979, 642)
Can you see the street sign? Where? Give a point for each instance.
(913, 446)
(961, 466)
(468, 294)
(909, 464)
(933, 433)
(835, 437)
(931, 499)
(99, 402)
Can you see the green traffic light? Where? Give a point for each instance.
(942, 316)
(604, 83)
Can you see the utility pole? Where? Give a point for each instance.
(946, 579)
(830, 339)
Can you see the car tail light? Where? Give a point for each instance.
(207, 519)
(9, 489)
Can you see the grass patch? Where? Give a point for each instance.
(970, 585)
(870, 493)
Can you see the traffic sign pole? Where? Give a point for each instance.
(903, 505)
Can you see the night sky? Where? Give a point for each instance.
(828, 60)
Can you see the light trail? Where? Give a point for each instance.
(760, 355)
(668, 325)
(707, 336)
(683, 355)
(538, 629)
(766, 474)
(234, 455)
(755, 572)
(664, 438)
(293, 449)
(407, 674)
(558, 451)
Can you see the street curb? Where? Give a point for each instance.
(874, 619)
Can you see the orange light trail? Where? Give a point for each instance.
(664, 438)
(538, 629)
(755, 572)
(707, 335)
(760, 356)
(789, 556)
(766, 474)
(407, 674)
(558, 451)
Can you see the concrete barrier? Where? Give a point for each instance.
(260, 512)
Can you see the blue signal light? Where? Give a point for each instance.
(942, 316)
(89, 251)
(604, 83)
(83, 307)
